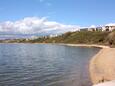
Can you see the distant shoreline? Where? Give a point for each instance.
(66, 44)
(87, 45)
(77, 45)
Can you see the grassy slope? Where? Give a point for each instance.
(77, 37)
(82, 37)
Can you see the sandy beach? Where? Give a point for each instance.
(102, 65)
(109, 83)
(87, 45)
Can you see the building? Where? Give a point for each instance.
(92, 28)
(109, 27)
(98, 28)
(84, 29)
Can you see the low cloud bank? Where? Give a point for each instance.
(35, 25)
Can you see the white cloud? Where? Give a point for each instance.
(92, 26)
(35, 25)
(110, 24)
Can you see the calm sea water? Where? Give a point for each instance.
(44, 65)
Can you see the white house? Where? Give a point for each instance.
(84, 29)
(109, 27)
(92, 28)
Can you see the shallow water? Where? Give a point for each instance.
(44, 65)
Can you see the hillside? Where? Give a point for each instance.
(78, 37)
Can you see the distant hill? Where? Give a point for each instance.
(78, 37)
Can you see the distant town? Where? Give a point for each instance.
(108, 27)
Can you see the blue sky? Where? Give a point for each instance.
(50, 13)
(79, 12)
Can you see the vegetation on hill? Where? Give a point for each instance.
(78, 37)
(111, 38)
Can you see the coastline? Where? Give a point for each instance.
(102, 67)
(87, 45)
(66, 44)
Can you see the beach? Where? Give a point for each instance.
(87, 45)
(109, 83)
(101, 66)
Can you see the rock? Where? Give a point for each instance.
(102, 66)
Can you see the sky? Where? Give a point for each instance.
(53, 16)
